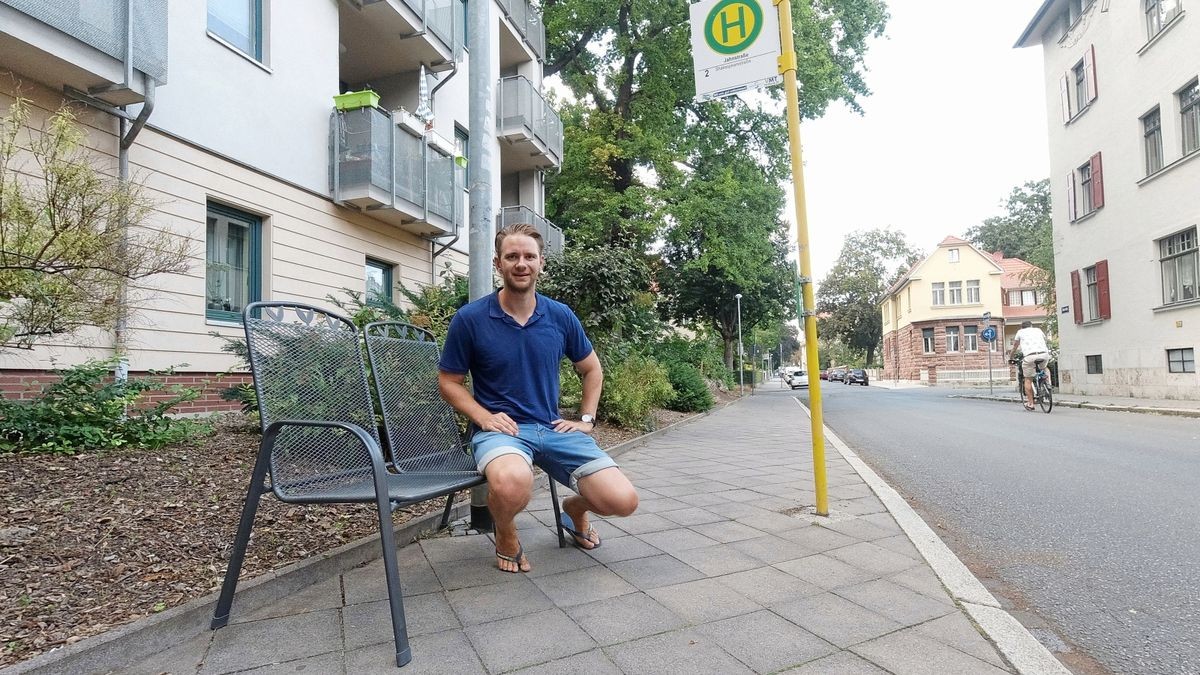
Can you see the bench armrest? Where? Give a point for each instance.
(272, 432)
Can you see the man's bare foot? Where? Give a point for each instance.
(511, 562)
(585, 536)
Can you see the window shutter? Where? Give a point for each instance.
(1076, 296)
(1004, 296)
(1089, 72)
(1064, 97)
(1071, 196)
(1102, 289)
(1097, 182)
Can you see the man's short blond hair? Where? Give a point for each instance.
(520, 228)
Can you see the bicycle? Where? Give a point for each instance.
(1042, 396)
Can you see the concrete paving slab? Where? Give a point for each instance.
(659, 504)
(766, 642)
(679, 539)
(679, 653)
(769, 587)
(448, 653)
(957, 631)
(817, 538)
(582, 586)
(872, 558)
(727, 531)
(481, 604)
(835, 619)
(641, 523)
(528, 640)
(626, 547)
(656, 571)
(324, 663)
(841, 663)
(826, 572)
(624, 618)
(896, 602)
(594, 662)
(323, 595)
(908, 651)
(715, 561)
(772, 549)
(691, 515)
(182, 659)
(922, 580)
(704, 600)
(260, 643)
(370, 623)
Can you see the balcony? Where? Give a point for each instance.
(385, 167)
(386, 37)
(530, 33)
(84, 45)
(531, 129)
(551, 235)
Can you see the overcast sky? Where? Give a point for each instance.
(957, 118)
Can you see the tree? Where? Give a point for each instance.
(726, 239)
(848, 297)
(1026, 232)
(608, 289)
(72, 238)
(1018, 231)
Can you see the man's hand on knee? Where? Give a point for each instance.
(499, 422)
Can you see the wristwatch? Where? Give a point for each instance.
(588, 419)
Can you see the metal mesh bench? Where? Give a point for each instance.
(320, 442)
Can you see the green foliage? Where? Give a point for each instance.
(849, 296)
(608, 289)
(87, 410)
(434, 305)
(704, 352)
(633, 386)
(72, 237)
(691, 392)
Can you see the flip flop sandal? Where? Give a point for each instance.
(1028, 407)
(569, 526)
(512, 559)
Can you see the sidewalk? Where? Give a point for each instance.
(1180, 408)
(723, 569)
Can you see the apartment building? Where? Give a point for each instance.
(1123, 109)
(934, 316)
(230, 122)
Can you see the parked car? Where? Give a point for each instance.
(856, 376)
(825, 374)
(797, 377)
(837, 375)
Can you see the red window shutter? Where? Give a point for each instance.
(1102, 289)
(1076, 296)
(1071, 196)
(1064, 97)
(1004, 296)
(1097, 182)
(1089, 72)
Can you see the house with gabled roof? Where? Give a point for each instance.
(935, 314)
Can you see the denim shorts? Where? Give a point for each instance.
(567, 457)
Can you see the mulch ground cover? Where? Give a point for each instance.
(92, 541)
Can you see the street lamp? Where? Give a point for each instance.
(741, 368)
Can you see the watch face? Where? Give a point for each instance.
(587, 419)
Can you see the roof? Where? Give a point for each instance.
(948, 241)
(1015, 270)
(1036, 25)
(954, 241)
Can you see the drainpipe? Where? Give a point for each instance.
(454, 202)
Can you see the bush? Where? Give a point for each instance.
(632, 387)
(704, 352)
(87, 410)
(691, 393)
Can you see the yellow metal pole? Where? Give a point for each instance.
(787, 67)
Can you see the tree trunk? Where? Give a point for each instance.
(729, 343)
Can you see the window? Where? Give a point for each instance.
(970, 338)
(1152, 140)
(939, 293)
(1090, 291)
(952, 338)
(461, 141)
(238, 22)
(927, 338)
(1181, 360)
(953, 253)
(1090, 193)
(1095, 364)
(1158, 14)
(233, 252)
(1189, 111)
(379, 281)
(1180, 263)
(956, 292)
(908, 293)
(1077, 88)
(1018, 297)
(972, 291)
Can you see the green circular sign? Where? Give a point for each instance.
(733, 25)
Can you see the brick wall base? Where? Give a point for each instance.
(904, 356)
(28, 384)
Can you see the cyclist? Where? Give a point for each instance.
(1031, 342)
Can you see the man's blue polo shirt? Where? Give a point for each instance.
(514, 368)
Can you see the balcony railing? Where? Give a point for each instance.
(394, 174)
(103, 25)
(526, 120)
(528, 23)
(551, 235)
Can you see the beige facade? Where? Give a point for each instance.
(247, 130)
(934, 316)
(1123, 110)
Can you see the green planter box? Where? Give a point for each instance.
(353, 100)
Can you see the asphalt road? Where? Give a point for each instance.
(1091, 518)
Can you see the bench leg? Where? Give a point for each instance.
(562, 539)
(446, 513)
(387, 539)
(240, 541)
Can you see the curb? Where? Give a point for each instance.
(1111, 407)
(1015, 642)
(116, 649)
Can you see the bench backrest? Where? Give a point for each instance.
(422, 430)
(308, 365)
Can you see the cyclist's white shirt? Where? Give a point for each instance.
(1032, 340)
